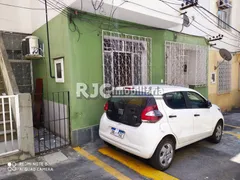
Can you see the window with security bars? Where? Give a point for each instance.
(224, 77)
(126, 59)
(22, 70)
(185, 64)
(224, 18)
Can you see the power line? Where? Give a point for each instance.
(194, 19)
(174, 3)
(219, 18)
(58, 9)
(204, 15)
(153, 9)
(229, 44)
(201, 30)
(23, 7)
(198, 27)
(165, 2)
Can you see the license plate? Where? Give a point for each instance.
(117, 132)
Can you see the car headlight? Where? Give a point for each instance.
(219, 109)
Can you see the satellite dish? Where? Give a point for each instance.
(225, 54)
(186, 21)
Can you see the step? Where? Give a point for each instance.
(8, 126)
(8, 133)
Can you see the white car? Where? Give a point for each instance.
(153, 121)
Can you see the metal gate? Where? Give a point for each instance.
(185, 64)
(51, 118)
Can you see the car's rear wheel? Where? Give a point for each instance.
(164, 154)
(217, 134)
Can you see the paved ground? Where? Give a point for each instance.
(199, 161)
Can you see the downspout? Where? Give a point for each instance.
(48, 41)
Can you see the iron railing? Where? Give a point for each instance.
(9, 124)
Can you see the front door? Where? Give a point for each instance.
(179, 117)
(201, 113)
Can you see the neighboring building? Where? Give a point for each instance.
(224, 89)
(144, 43)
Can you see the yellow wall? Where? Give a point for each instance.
(225, 101)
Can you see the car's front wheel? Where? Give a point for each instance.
(163, 156)
(217, 134)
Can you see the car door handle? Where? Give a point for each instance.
(196, 115)
(172, 116)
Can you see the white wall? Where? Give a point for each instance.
(152, 13)
(22, 20)
(56, 116)
(38, 18)
(137, 11)
(15, 19)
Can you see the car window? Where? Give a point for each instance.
(195, 100)
(175, 100)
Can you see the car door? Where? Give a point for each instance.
(179, 117)
(202, 116)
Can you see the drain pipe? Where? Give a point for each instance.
(48, 41)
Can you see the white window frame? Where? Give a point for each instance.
(226, 77)
(57, 61)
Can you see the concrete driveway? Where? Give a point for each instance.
(199, 161)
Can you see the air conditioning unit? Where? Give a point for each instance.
(224, 4)
(32, 48)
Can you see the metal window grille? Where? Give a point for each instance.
(224, 77)
(185, 64)
(224, 15)
(127, 59)
(23, 72)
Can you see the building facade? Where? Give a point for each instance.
(127, 43)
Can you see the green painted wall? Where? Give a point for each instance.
(83, 59)
(60, 47)
(87, 60)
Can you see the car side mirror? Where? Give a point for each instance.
(209, 104)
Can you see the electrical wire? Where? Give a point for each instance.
(201, 30)
(56, 8)
(95, 4)
(200, 24)
(225, 36)
(125, 1)
(165, 2)
(198, 27)
(199, 6)
(23, 7)
(214, 23)
(229, 44)
(174, 3)
(153, 9)
(113, 11)
(62, 9)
